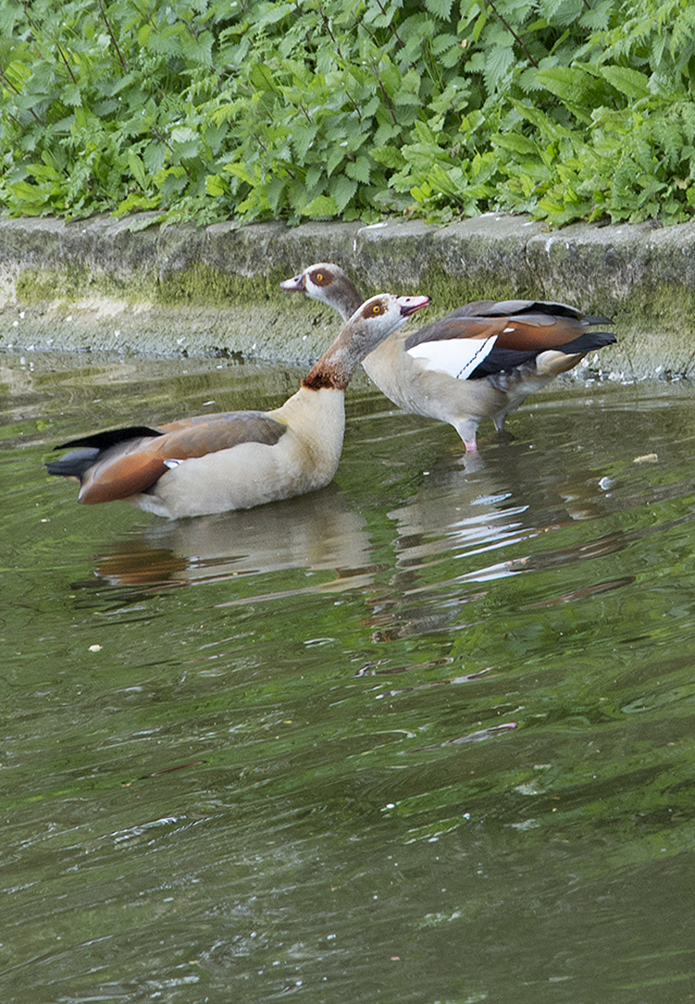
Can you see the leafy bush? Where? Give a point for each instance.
(214, 109)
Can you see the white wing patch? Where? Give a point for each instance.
(456, 356)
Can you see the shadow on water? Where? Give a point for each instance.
(425, 735)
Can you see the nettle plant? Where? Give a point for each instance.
(316, 109)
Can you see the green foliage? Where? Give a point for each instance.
(213, 109)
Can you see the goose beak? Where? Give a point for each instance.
(409, 304)
(296, 284)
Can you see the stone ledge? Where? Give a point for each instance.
(125, 285)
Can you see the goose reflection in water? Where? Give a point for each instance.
(479, 520)
(318, 532)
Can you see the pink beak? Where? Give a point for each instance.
(296, 284)
(409, 304)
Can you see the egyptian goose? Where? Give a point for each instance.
(480, 361)
(236, 460)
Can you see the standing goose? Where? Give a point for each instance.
(480, 361)
(235, 460)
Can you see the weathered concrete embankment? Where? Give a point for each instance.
(126, 286)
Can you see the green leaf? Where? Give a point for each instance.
(276, 191)
(408, 93)
(440, 8)
(214, 185)
(240, 171)
(479, 26)
(183, 134)
(360, 169)
(342, 190)
(261, 77)
(578, 90)
(137, 168)
(302, 138)
(630, 82)
(497, 63)
(154, 156)
(313, 177)
(271, 13)
(136, 202)
(336, 156)
(515, 141)
(321, 206)
(389, 156)
(569, 83)
(71, 95)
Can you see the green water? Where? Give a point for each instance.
(428, 735)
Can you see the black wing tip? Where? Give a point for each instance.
(74, 464)
(587, 342)
(103, 440)
(596, 319)
(604, 338)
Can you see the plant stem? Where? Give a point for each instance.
(375, 70)
(67, 65)
(386, 98)
(112, 36)
(511, 31)
(12, 87)
(398, 38)
(327, 26)
(161, 137)
(9, 82)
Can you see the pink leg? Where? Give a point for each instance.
(467, 428)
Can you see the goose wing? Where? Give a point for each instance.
(487, 336)
(125, 462)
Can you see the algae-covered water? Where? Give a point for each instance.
(427, 735)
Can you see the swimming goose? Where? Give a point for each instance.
(236, 460)
(480, 361)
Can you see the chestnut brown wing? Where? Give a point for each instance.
(135, 464)
(521, 332)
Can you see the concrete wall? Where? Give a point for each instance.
(132, 286)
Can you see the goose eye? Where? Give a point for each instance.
(376, 309)
(319, 277)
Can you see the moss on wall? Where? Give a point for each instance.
(71, 284)
(448, 292)
(205, 285)
(199, 285)
(660, 306)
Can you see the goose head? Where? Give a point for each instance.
(328, 284)
(376, 318)
(372, 322)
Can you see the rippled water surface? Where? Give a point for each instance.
(427, 735)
